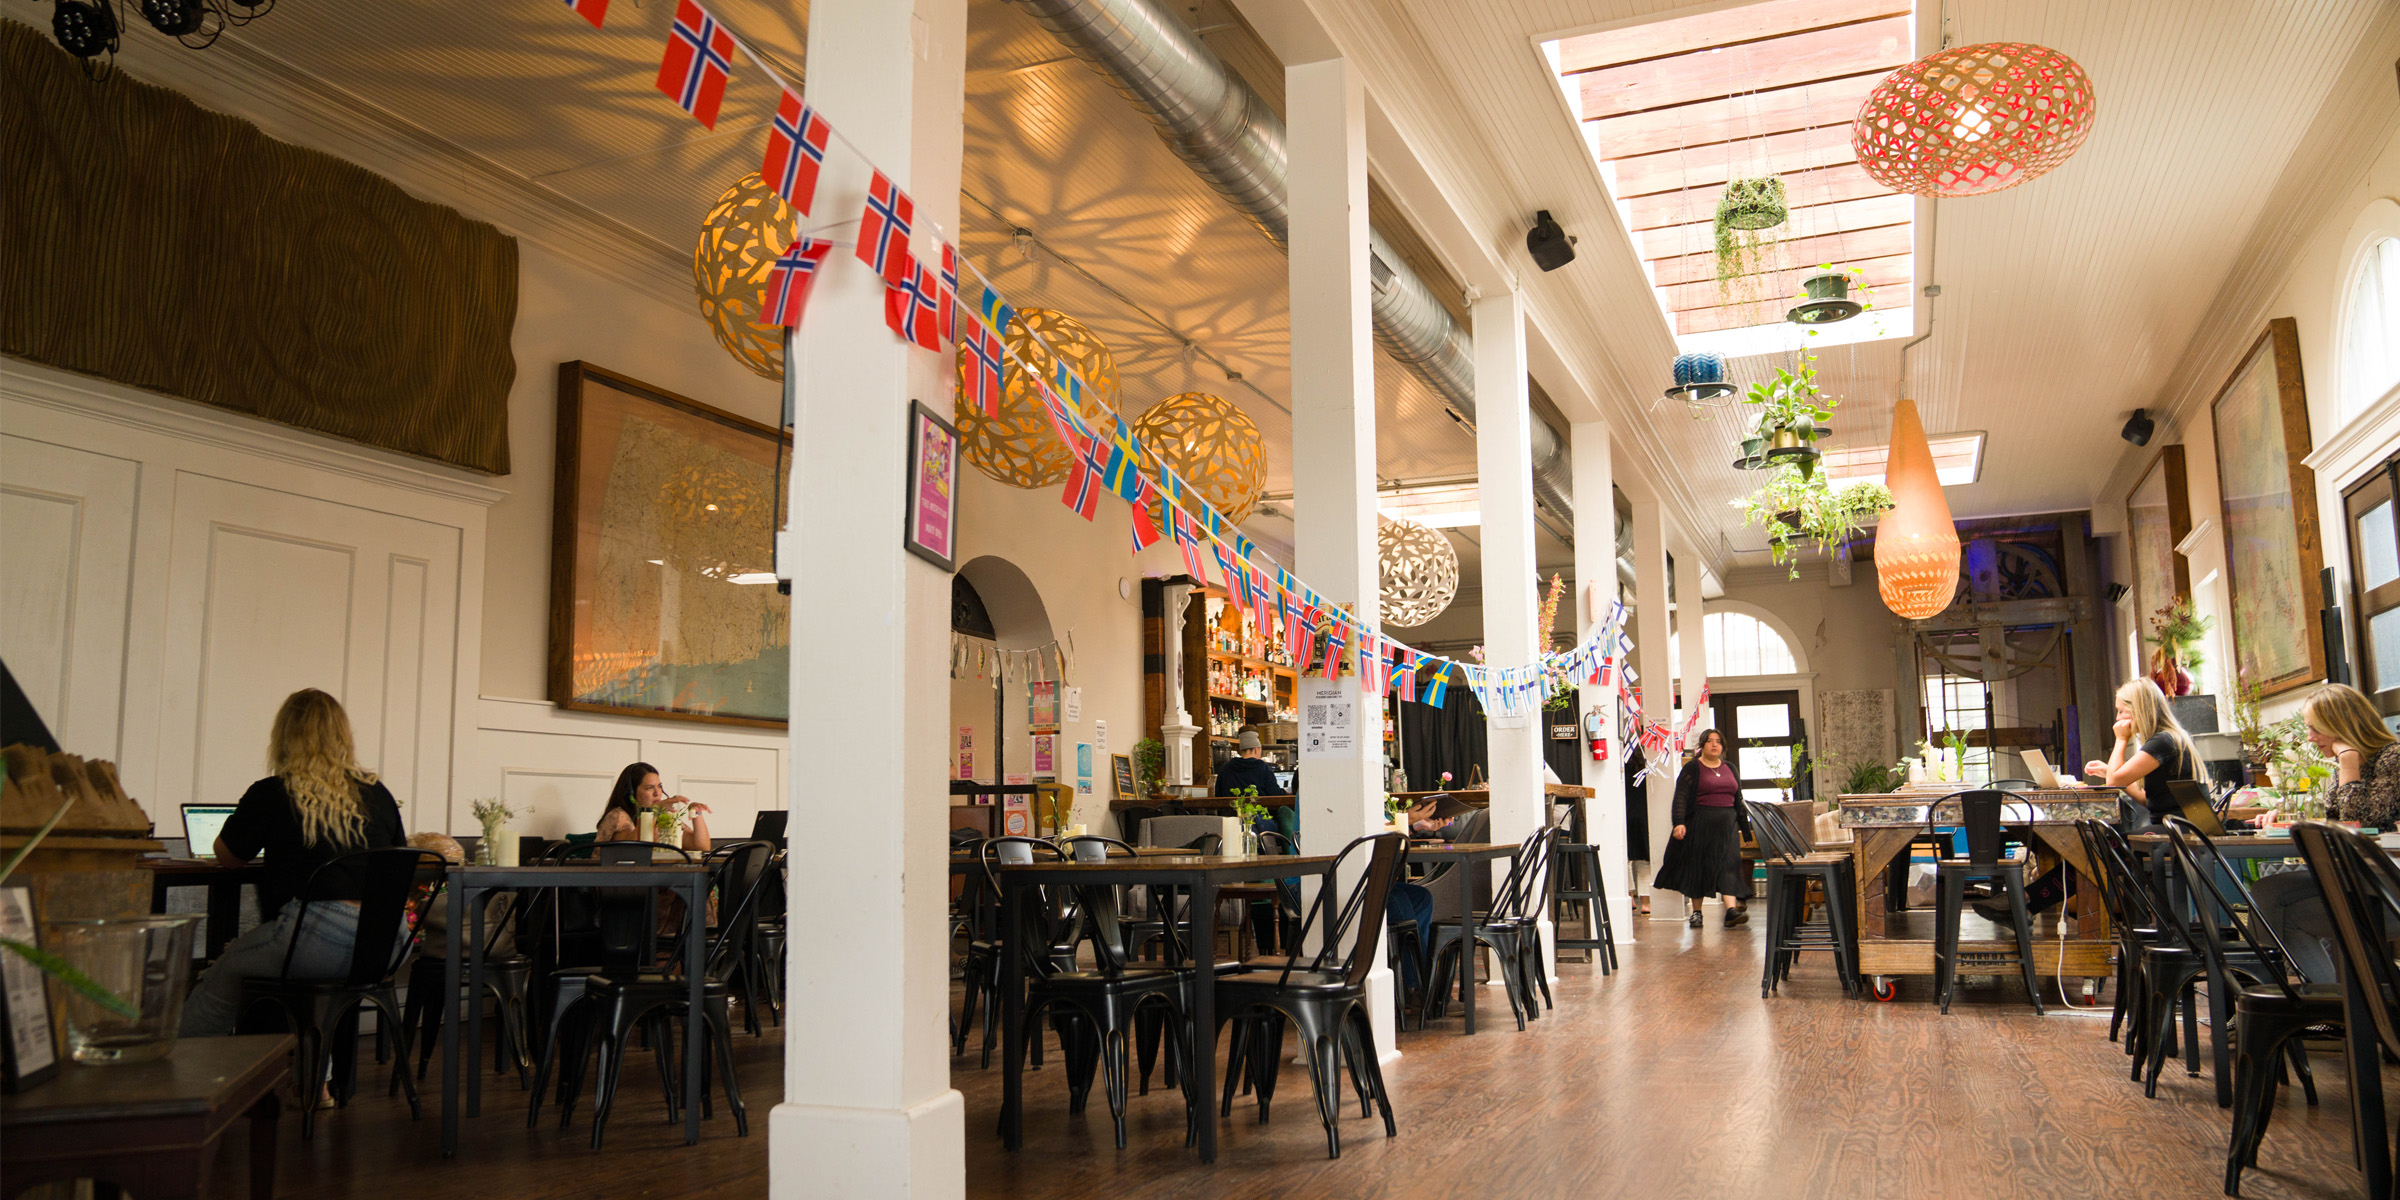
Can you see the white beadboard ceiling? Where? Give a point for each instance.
(2065, 301)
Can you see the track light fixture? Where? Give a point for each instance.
(1550, 246)
(174, 18)
(84, 28)
(89, 29)
(2138, 429)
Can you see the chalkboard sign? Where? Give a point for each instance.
(1123, 765)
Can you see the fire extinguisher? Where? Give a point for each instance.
(1593, 733)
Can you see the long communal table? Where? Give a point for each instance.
(1893, 941)
(1201, 876)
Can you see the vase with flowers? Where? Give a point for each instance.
(670, 817)
(494, 850)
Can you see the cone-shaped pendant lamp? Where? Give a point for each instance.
(1916, 546)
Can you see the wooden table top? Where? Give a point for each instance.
(202, 1075)
(1460, 850)
(1174, 868)
(1910, 808)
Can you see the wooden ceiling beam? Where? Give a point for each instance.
(1848, 181)
(1712, 166)
(1749, 22)
(1827, 105)
(1888, 276)
(1854, 246)
(1801, 58)
(1700, 237)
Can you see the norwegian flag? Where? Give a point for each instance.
(1295, 621)
(949, 292)
(909, 308)
(982, 366)
(698, 63)
(594, 11)
(883, 230)
(1083, 483)
(1145, 527)
(1187, 539)
(1334, 642)
(1260, 594)
(788, 280)
(1374, 670)
(1404, 670)
(795, 151)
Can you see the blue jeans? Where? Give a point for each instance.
(215, 1005)
(1411, 902)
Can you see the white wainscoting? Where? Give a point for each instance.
(554, 767)
(177, 570)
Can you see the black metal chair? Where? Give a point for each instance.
(1508, 929)
(617, 1000)
(2194, 951)
(2260, 966)
(1323, 993)
(2132, 921)
(592, 930)
(1980, 812)
(323, 1013)
(507, 979)
(2362, 896)
(743, 949)
(1577, 887)
(1792, 865)
(1092, 1010)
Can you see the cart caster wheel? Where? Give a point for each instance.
(1887, 990)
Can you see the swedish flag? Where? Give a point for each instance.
(1124, 463)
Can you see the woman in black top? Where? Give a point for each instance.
(2346, 727)
(2151, 747)
(318, 805)
(1704, 853)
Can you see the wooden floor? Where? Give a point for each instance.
(1670, 1079)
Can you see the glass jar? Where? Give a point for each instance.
(143, 963)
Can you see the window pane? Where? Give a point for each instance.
(2371, 339)
(2375, 546)
(1762, 721)
(1770, 762)
(1766, 794)
(2383, 633)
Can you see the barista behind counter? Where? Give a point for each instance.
(1246, 769)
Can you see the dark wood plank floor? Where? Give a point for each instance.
(1671, 1079)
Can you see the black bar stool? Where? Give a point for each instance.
(1578, 876)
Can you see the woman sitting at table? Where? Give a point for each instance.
(1705, 853)
(2343, 723)
(317, 806)
(637, 788)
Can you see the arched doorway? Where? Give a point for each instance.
(994, 610)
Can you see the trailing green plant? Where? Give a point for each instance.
(1797, 506)
(1868, 777)
(1748, 211)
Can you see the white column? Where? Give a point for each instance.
(868, 1110)
(1596, 575)
(1333, 424)
(1175, 728)
(1656, 666)
(1692, 670)
(1504, 483)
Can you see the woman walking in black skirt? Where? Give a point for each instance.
(1705, 853)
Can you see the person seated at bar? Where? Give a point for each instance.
(1247, 770)
(317, 806)
(638, 788)
(2151, 748)
(2343, 723)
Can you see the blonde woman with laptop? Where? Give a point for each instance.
(2151, 747)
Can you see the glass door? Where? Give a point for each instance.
(2375, 575)
(1762, 732)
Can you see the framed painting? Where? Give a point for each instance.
(932, 532)
(2158, 515)
(2272, 548)
(663, 599)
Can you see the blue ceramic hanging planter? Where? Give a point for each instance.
(1700, 378)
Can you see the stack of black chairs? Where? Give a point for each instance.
(1793, 866)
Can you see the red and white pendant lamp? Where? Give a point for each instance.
(1916, 546)
(1966, 120)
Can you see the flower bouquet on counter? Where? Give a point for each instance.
(493, 814)
(668, 819)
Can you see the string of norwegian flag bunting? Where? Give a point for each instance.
(923, 307)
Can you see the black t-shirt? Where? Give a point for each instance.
(1240, 771)
(2173, 763)
(265, 820)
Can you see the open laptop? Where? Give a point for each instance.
(2192, 804)
(2038, 769)
(770, 826)
(201, 825)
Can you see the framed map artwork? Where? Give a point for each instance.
(2272, 551)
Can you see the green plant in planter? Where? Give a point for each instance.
(1746, 212)
(1797, 507)
(1149, 765)
(1790, 407)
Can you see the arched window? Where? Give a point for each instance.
(2371, 327)
(1740, 644)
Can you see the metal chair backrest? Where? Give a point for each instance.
(1093, 847)
(1772, 832)
(1271, 842)
(2214, 911)
(1980, 811)
(2012, 785)
(1051, 921)
(1516, 897)
(628, 916)
(2362, 892)
(387, 877)
(740, 885)
(2144, 908)
(1363, 899)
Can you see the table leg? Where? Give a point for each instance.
(695, 926)
(1466, 939)
(472, 898)
(2366, 1087)
(262, 1146)
(1012, 1016)
(1204, 1012)
(457, 901)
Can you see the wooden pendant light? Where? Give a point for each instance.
(1916, 546)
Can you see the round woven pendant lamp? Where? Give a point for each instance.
(1212, 445)
(1916, 546)
(1420, 571)
(1017, 447)
(744, 230)
(1973, 119)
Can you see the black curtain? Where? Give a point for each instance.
(1449, 738)
(1566, 758)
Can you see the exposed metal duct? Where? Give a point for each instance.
(1226, 133)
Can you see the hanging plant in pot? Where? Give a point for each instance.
(1700, 380)
(1796, 508)
(1747, 210)
(1791, 420)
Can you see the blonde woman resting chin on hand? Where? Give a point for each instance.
(2151, 746)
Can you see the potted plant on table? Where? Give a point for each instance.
(1247, 808)
(2260, 744)
(1149, 766)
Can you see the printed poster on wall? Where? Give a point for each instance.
(1016, 814)
(1083, 768)
(1071, 701)
(1329, 719)
(1041, 703)
(1045, 756)
(966, 752)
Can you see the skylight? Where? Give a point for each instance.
(1674, 110)
(1957, 459)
